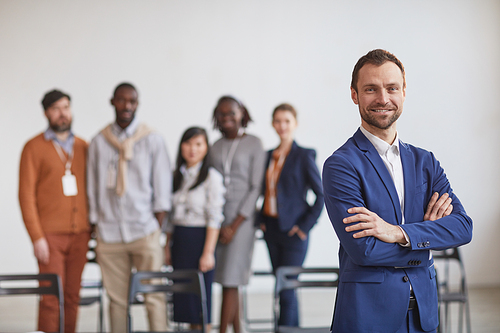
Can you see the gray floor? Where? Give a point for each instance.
(18, 313)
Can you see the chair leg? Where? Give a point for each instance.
(446, 321)
(467, 316)
(101, 315)
(460, 317)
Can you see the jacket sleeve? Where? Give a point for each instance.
(450, 231)
(313, 180)
(28, 178)
(161, 175)
(92, 181)
(342, 188)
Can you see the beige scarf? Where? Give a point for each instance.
(126, 152)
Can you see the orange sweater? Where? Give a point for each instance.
(44, 207)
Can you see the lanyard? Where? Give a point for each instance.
(230, 156)
(67, 161)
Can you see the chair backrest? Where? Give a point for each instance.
(452, 253)
(188, 281)
(447, 257)
(48, 284)
(289, 277)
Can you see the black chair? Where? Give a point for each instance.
(254, 324)
(87, 299)
(48, 284)
(291, 277)
(188, 281)
(445, 261)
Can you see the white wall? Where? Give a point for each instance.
(183, 55)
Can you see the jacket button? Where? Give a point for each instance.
(405, 278)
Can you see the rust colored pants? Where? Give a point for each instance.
(68, 255)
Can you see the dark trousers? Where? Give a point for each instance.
(412, 323)
(285, 251)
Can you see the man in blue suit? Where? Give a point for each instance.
(390, 203)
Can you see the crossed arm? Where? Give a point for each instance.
(370, 224)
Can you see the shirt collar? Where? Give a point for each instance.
(128, 131)
(49, 134)
(192, 171)
(380, 145)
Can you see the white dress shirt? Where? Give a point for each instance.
(391, 157)
(201, 206)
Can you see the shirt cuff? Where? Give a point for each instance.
(408, 243)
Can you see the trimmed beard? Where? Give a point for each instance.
(375, 123)
(60, 128)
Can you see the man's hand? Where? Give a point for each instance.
(370, 224)
(438, 208)
(296, 230)
(41, 249)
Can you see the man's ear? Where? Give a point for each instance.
(354, 96)
(111, 101)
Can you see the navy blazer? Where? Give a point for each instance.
(373, 292)
(299, 174)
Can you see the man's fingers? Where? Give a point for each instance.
(430, 206)
(433, 200)
(437, 208)
(359, 226)
(442, 200)
(448, 210)
(356, 210)
(442, 209)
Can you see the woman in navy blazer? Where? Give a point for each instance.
(286, 217)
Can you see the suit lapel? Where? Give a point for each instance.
(372, 155)
(409, 175)
(291, 155)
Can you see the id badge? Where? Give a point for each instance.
(69, 184)
(111, 177)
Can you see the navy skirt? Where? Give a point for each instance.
(187, 248)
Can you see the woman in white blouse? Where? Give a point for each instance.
(195, 220)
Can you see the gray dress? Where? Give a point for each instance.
(233, 260)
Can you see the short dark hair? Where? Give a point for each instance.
(53, 96)
(178, 177)
(246, 116)
(285, 107)
(124, 85)
(376, 57)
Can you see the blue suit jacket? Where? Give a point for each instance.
(299, 174)
(373, 291)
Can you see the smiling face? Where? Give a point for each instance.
(284, 124)
(380, 96)
(59, 115)
(229, 116)
(194, 150)
(125, 102)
